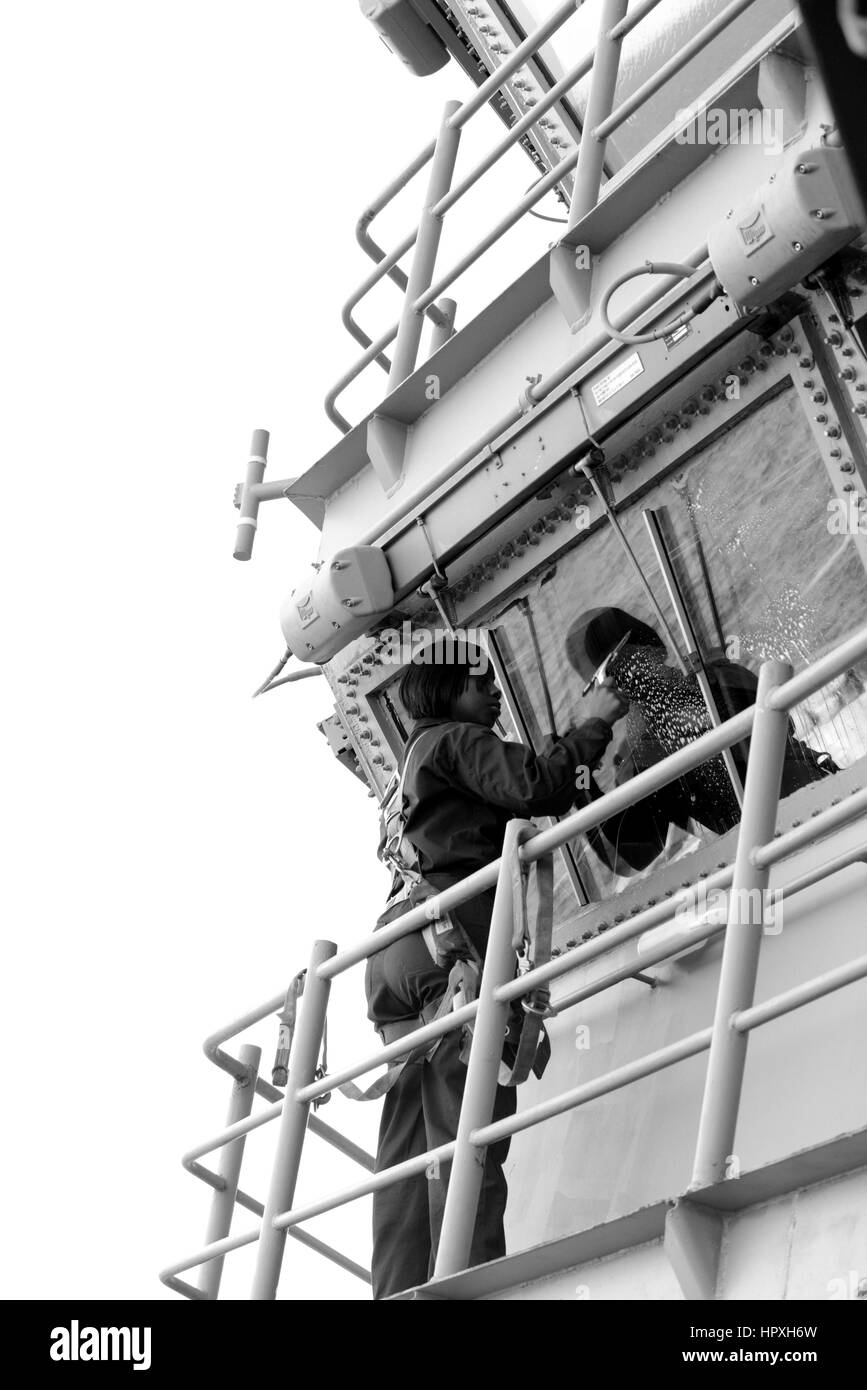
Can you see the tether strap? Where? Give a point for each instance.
(280, 1070)
(537, 932)
(390, 1032)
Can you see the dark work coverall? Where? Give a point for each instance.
(463, 789)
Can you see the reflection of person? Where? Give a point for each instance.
(464, 785)
(667, 711)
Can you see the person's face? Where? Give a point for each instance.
(479, 702)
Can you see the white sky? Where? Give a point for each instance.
(181, 186)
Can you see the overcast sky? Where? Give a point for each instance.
(181, 185)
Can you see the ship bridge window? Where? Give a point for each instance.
(391, 715)
(758, 565)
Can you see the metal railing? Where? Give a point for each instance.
(736, 1014)
(244, 1071)
(420, 291)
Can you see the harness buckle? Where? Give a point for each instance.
(537, 1002)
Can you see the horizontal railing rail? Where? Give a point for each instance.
(378, 255)
(702, 931)
(615, 1080)
(387, 261)
(671, 68)
(645, 311)
(244, 1071)
(759, 848)
(605, 51)
(676, 765)
(212, 1048)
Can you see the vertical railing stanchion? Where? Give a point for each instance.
(606, 64)
(743, 938)
(426, 247)
(293, 1121)
(229, 1168)
(571, 280)
(443, 330)
(467, 1170)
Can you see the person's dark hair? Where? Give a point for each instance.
(439, 674)
(592, 636)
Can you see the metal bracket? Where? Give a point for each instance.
(782, 87)
(571, 285)
(436, 589)
(526, 399)
(386, 449)
(693, 1243)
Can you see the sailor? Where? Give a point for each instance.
(666, 712)
(465, 784)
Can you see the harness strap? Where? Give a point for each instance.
(280, 1070)
(390, 853)
(415, 739)
(535, 931)
(399, 1028)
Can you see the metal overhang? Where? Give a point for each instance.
(537, 450)
(843, 1154)
(542, 1261)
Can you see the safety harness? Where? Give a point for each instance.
(526, 1047)
(288, 1017)
(531, 941)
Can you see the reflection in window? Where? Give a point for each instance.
(746, 524)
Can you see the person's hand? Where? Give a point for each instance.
(603, 702)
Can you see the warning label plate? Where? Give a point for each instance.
(615, 380)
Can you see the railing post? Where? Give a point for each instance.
(443, 330)
(591, 160)
(293, 1121)
(229, 1167)
(468, 1164)
(426, 246)
(743, 938)
(571, 282)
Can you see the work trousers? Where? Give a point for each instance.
(421, 1112)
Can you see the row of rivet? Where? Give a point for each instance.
(643, 450)
(818, 396)
(847, 374)
(683, 419)
(363, 666)
(526, 90)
